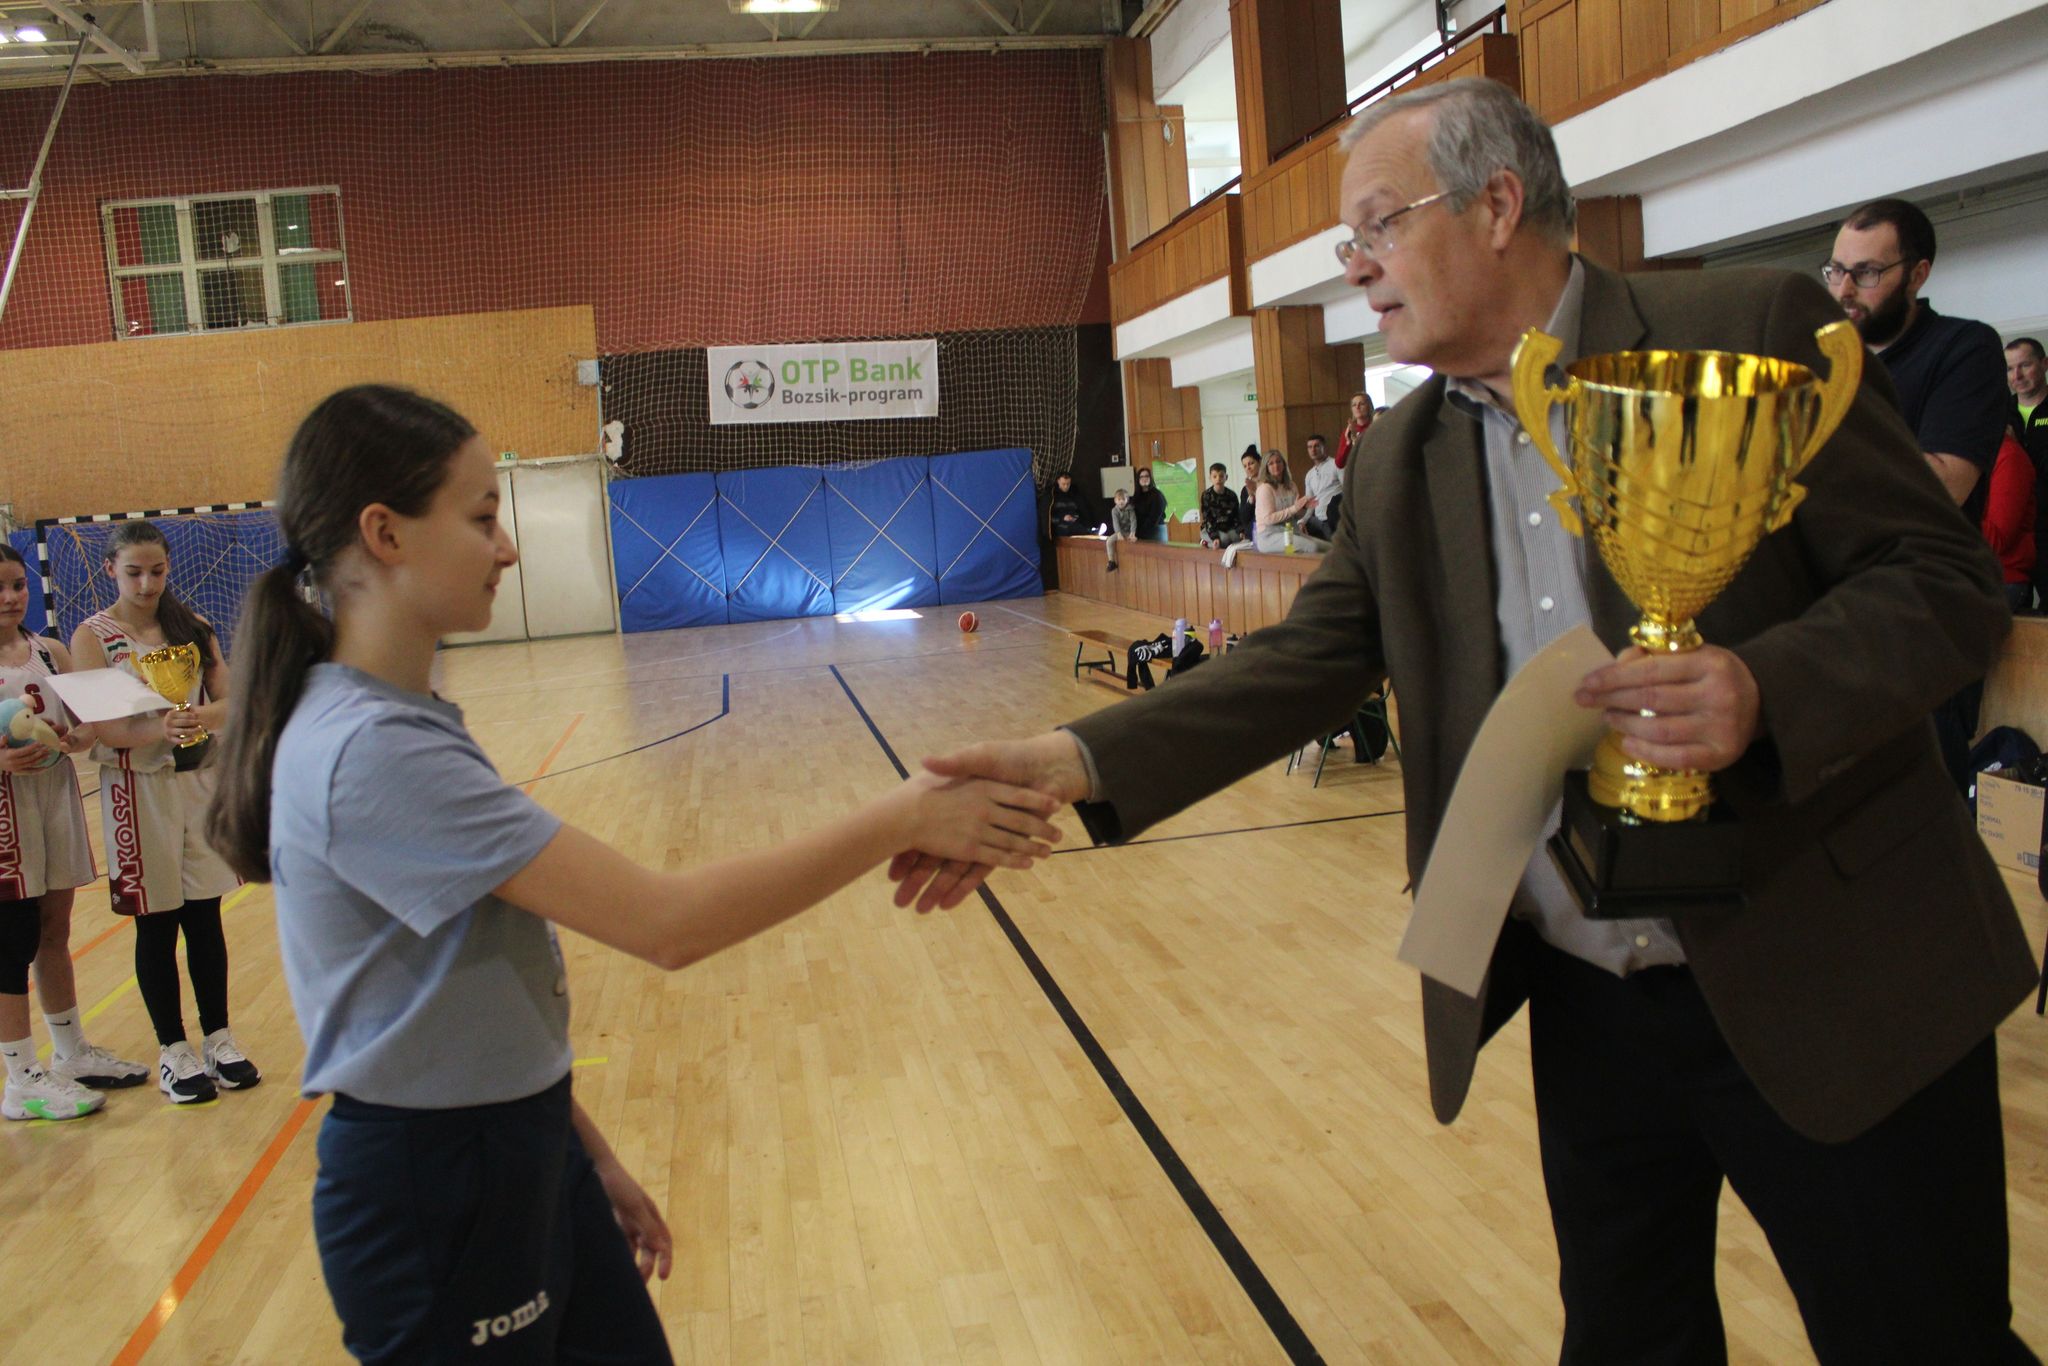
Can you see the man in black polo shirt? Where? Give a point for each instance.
(2026, 374)
(1948, 373)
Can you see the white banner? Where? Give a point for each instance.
(829, 382)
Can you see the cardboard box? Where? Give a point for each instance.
(2009, 820)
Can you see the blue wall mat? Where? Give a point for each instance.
(985, 517)
(666, 552)
(879, 516)
(25, 542)
(778, 554)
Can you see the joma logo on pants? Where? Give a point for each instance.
(519, 1318)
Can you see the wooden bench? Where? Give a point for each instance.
(1110, 645)
(1106, 670)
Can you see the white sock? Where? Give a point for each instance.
(20, 1055)
(67, 1036)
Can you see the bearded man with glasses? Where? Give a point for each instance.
(1949, 374)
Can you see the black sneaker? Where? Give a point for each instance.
(226, 1064)
(180, 1077)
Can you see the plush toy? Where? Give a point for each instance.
(20, 726)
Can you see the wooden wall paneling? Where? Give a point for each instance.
(1599, 44)
(1288, 59)
(1579, 53)
(1645, 35)
(1205, 245)
(1559, 75)
(1254, 154)
(179, 421)
(1156, 411)
(1690, 21)
(1148, 170)
(1304, 385)
(1294, 198)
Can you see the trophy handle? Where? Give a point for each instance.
(1843, 347)
(1534, 397)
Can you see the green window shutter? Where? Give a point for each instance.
(298, 293)
(167, 301)
(159, 224)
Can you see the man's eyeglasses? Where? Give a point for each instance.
(1865, 276)
(1375, 237)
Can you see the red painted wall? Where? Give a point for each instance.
(690, 203)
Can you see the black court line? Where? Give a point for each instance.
(1279, 1318)
(724, 710)
(1241, 830)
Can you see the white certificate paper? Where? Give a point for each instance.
(106, 695)
(1500, 811)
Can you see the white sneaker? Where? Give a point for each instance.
(35, 1094)
(180, 1077)
(95, 1067)
(227, 1064)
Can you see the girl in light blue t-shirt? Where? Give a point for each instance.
(464, 1200)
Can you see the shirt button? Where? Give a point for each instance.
(1642, 941)
(1521, 438)
(1535, 519)
(1546, 603)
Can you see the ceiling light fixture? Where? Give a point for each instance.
(782, 6)
(30, 35)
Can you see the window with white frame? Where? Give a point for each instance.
(213, 263)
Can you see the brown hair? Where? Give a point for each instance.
(369, 444)
(181, 625)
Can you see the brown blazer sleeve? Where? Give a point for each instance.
(1294, 680)
(1908, 604)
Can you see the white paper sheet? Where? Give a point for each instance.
(106, 695)
(1500, 810)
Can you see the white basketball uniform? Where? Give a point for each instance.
(153, 817)
(43, 844)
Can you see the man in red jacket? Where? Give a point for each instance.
(2009, 520)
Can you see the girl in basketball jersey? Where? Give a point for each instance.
(466, 1207)
(154, 788)
(44, 856)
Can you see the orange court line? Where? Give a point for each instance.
(188, 1274)
(196, 1264)
(553, 754)
(102, 937)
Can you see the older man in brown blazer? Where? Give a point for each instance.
(1829, 1048)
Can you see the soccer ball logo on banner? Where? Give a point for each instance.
(749, 383)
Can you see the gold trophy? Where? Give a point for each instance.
(173, 672)
(1681, 463)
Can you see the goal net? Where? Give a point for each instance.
(215, 554)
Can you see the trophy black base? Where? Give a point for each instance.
(1627, 871)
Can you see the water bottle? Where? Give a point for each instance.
(1180, 635)
(1289, 549)
(1216, 635)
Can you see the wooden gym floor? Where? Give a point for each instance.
(887, 1138)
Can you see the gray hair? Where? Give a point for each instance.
(1480, 128)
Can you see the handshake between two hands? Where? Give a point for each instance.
(985, 806)
(982, 808)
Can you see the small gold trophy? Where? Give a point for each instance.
(1681, 463)
(173, 672)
